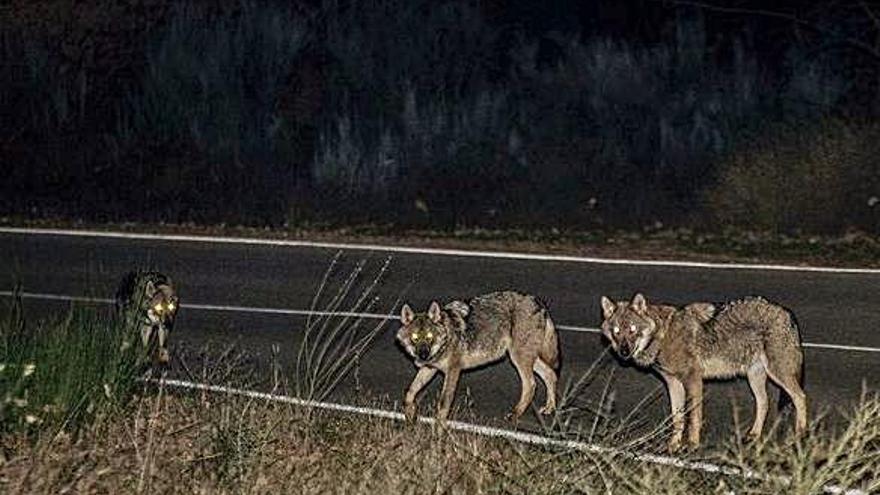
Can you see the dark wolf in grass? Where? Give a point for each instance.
(460, 335)
(750, 337)
(148, 302)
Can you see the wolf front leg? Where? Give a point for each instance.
(449, 385)
(163, 350)
(694, 387)
(421, 379)
(676, 404)
(146, 332)
(524, 364)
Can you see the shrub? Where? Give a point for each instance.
(392, 111)
(59, 373)
(814, 177)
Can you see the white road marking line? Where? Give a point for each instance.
(375, 316)
(56, 297)
(293, 312)
(430, 251)
(839, 347)
(488, 431)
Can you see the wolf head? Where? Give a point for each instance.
(161, 303)
(627, 326)
(423, 335)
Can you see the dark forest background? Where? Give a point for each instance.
(442, 114)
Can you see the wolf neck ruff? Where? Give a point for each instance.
(648, 356)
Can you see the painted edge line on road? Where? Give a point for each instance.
(375, 316)
(488, 431)
(430, 251)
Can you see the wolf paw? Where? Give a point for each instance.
(440, 424)
(409, 412)
(547, 410)
(512, 417)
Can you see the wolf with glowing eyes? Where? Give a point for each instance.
(148, 302)
(460, 336)
(749, 337)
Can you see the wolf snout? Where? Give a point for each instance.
(423, 352)
(624, 351)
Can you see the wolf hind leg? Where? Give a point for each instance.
(550, 347)
(549, 377)
(784, 363)
(524, 364)
(790, 384)
(757, 376)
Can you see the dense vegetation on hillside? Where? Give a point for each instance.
(441, 114)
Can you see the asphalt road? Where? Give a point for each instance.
(832, 309)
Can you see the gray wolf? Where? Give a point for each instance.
(460, 335)
(750, 337)
(148, 301)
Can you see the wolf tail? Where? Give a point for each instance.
(549, 352)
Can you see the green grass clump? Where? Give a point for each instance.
(62, 371)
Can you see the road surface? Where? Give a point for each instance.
(254, 293)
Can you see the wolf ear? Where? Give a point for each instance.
(639, 305)
(434, 312)
(608, 307)
(406, 314)
(149, 288)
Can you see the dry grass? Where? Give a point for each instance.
(845, 456)
(223, 444)
(333, 339)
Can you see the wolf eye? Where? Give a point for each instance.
(415, 337)
(632, 327)
(171, 306)
(616, 329)
(429, 336)
(158, 308)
